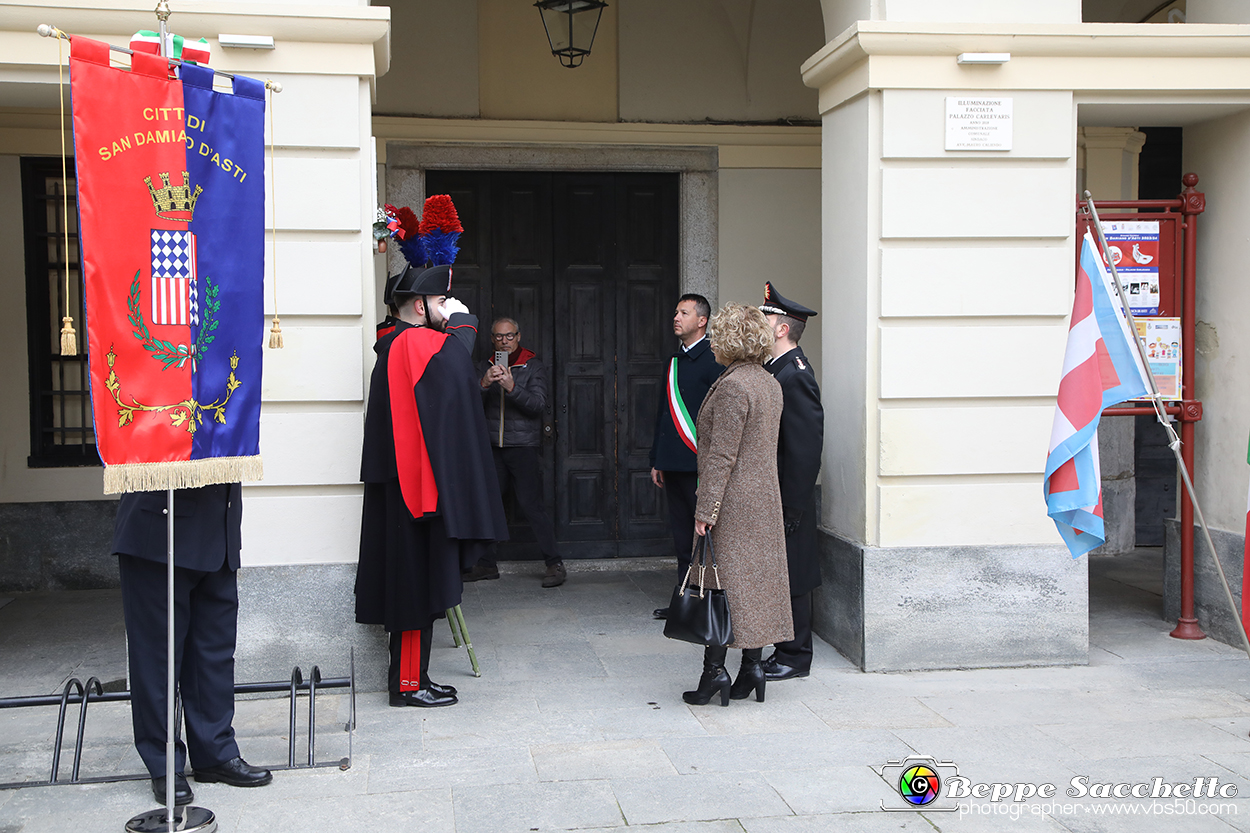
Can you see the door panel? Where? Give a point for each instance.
(587, 264)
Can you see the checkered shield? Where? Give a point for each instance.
(174, 297)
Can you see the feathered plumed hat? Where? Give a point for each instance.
(430, 246)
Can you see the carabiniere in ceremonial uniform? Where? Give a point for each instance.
(799, 446)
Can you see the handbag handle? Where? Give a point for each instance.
(701, 549)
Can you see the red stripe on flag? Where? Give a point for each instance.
(1106, 367)
(1080, 392)
(1083, 304)
(1065, 478)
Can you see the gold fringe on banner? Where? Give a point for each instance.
(180, 474)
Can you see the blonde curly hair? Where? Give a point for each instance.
(740, 333)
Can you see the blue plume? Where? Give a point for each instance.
(413, 250)
(440, 246)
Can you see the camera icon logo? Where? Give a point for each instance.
(917, 780)
(919, 784)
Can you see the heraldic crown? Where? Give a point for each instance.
(174, 202)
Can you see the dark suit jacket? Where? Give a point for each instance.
(696, 371)
(799, 447)
(207, 523)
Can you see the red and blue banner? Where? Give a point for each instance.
(171, 198)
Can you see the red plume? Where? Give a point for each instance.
(440, 214)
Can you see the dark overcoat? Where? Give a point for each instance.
(799, 446)
(738, 493)
(409, 569)
(207, 522)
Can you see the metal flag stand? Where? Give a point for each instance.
(1174, 442)
(191, 817)
(188, 819)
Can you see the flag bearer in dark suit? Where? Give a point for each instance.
(799, 447)
(674, 467)
(206, 605)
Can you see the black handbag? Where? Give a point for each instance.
(697, 613)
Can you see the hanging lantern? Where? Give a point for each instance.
(571, 26)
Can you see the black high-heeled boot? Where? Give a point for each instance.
(750, 676)
(715, 678)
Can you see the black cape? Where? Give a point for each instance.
(799, 445)
(409, 569)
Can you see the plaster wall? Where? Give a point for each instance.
(840, 14)
(728, 60)
(520, 79)
(770, 231)
(429, 74)
(1216, 11)
(850, 218)
(1219, 151)
(975, 285)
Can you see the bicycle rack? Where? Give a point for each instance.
(75, 692)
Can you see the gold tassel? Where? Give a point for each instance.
(275, 335)
(69, 340)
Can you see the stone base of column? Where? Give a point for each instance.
(920, 608)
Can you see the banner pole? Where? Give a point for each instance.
(1174, 442)
(162, 14)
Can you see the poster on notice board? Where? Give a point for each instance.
(1134, 248)
(1162, 338)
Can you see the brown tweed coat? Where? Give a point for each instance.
(739, 493)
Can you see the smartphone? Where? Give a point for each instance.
(501, 358)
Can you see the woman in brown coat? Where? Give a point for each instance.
(739, 501)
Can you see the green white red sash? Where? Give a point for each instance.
(677, 409)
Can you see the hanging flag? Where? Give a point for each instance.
(171, 201)
(176, 46)
(1100, 368)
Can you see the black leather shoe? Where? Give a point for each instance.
(182, 790)
(439, 688)
(660, 613)
(426, 698)
(480, 571)
(236, 772)
(774, 670)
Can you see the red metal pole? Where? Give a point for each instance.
(1193, 204)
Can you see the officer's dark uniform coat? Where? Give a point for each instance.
(799, 448)
(410, 565)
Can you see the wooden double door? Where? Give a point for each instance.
(587, 265)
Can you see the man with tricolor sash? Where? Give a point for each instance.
(689, 374)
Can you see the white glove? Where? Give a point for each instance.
(450, 307)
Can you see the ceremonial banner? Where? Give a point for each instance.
(1100, 368)
(171, 202)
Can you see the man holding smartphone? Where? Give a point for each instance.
(515, 388)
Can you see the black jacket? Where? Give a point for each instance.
(523, 406)
(696, 371)
(206, 526)
(799, 446)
